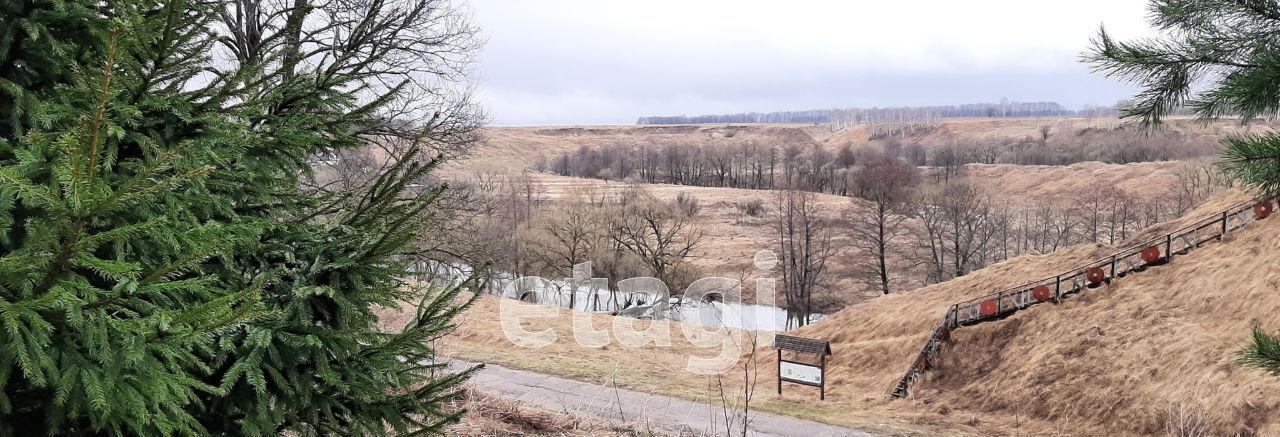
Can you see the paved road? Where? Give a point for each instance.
(657, 412)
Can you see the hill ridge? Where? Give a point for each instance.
(1137, 257)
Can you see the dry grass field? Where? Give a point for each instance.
(1063, 183)
(1113, 361)
(731, 237)
(519, 148)
(1118, 360)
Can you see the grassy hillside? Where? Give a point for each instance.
(515, 148)
(731, 238)
(1116, 360)
(1128, 357)
(1111, 361)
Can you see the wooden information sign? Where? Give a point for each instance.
(803, 373)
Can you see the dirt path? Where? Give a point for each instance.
(657, 412)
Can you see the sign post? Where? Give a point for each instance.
(803, 373)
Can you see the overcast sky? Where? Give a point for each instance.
(611, 61)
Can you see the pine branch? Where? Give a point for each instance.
(1254, 160)
(1263, 353)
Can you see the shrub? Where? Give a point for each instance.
(687, 204)
(752, 208)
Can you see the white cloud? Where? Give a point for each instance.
(592, 61)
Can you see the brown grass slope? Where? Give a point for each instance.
(1124, 356)
(517, 148)
(1115, 360)
(1028, 184)
(873, 342)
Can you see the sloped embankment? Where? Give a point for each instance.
(1129, 357)
(1120, 359)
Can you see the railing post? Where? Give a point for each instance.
(1224, 226)
(1168, 248)
(1057, 289)
(1000, 303)
(1113, 268)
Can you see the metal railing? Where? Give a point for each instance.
(1054, 288)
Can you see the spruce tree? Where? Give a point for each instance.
(41, 41)
(171, 262)
(1218, 58)
(106, 311)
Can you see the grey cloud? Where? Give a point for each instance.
(537, 73)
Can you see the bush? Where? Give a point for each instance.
(687, 204)
(752, 208)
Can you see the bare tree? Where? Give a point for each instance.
(567, 235)
(411, 55)
(1118, 220)
(1196, 180)
(661, 237)
(1051, 226)
(966, 213)
(931, 237)
(1092, 205)
(949, 161)
(541, 164)
(885, 183)
(804, 245)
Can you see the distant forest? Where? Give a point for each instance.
(840, 118)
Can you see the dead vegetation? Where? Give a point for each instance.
(491, 416)
(1110, 362)
(1148, 355)
(955, 140)
(1018, 209)
(922, 233)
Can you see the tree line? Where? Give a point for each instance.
(816, 116)
(755, 166)
(845, 117)
(905, 225)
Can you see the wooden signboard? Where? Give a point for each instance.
(813, 375)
